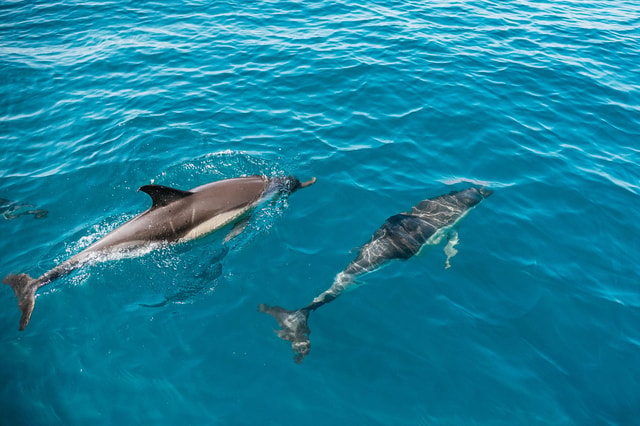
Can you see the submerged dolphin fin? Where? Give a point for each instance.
(294, 328)
(450, 249)
(237, 229)
(25, 289)
(163, 195)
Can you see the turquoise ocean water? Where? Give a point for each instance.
(387, 103)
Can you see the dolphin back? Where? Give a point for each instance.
(451, 204)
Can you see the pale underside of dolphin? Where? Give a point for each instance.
(401, 237)
(175, 216)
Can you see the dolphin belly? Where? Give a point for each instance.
(214, 223)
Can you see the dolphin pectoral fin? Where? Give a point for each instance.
(294, 328)
(25, 289)
(237, 229)
(450, 249)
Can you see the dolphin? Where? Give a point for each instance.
(174, 216)
(13, 210)
(402, 236)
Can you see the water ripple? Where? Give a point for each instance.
(386, 104)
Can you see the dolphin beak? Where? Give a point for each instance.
(485, 192)
(308, 183)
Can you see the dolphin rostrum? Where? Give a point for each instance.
(175, 216)
(400, 237)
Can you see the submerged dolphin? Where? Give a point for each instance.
(400, 237)
(13, 210)
(174, 216)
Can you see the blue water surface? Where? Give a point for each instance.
(387, 103)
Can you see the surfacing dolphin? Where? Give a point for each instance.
(175, 216)
(400, 237)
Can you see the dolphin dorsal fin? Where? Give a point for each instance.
(163, 195)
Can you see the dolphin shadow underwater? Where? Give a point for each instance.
(175, 216)
(401, 237)
(205, 273)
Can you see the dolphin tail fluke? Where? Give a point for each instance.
(294, 328)
(25, 289)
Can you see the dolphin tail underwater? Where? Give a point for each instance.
(294, 325)
(401, 237)
(175, 216)
(25, 289)
(294, 328)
